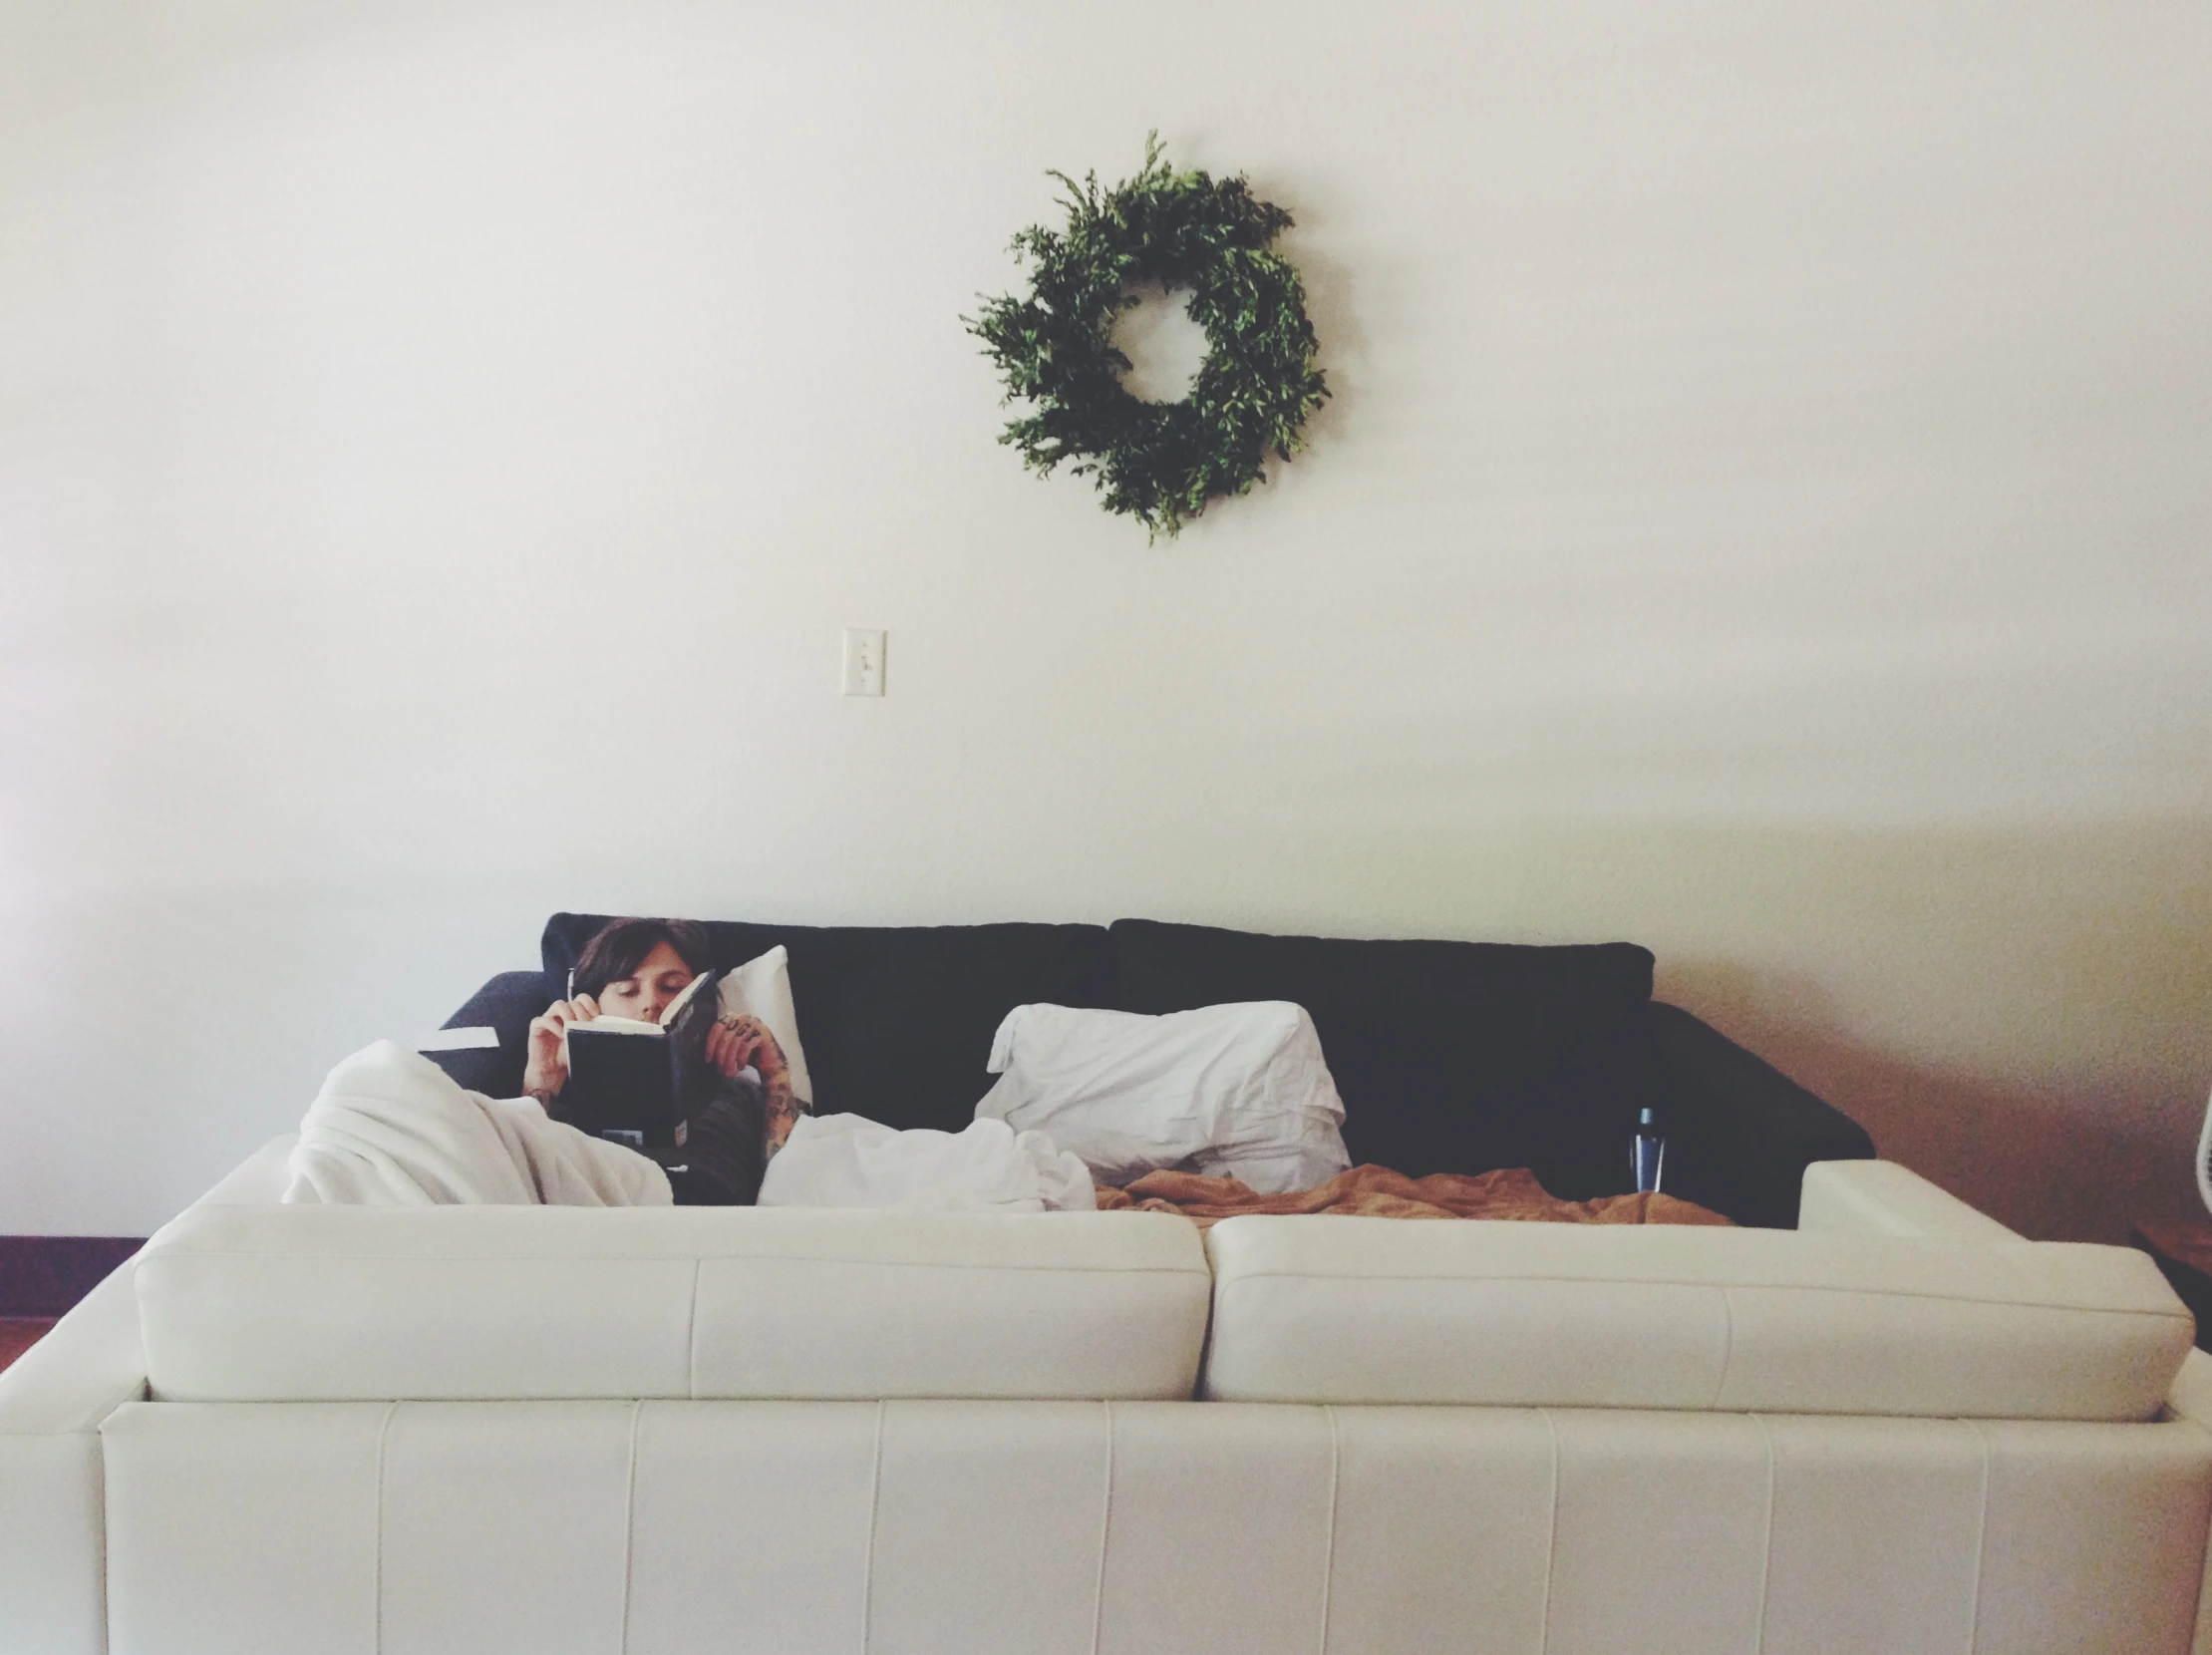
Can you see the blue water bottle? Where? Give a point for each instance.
(1650, 1154)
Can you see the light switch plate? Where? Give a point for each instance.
(863, 660)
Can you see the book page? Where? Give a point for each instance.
(675, 1007)
(615, 1025)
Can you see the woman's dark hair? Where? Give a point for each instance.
(619, 948)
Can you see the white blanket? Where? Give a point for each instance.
(392, 1129)
(1236, 1090)
(847, 1160)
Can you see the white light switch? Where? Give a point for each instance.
(863, 661)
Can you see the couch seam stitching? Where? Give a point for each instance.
(629, 1526)
(1981, 1542)
(696, 1259)
(875, 1499)
(1328, 1546)
(384, 1434)
(1551, 1542)
(691, 1337)
(1738, 1286)
(1728, 1349)
(1105, 1530)
(1766, 1559)
(106, 1546)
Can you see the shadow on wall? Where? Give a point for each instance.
(2021, 1013)
(2080, 1166)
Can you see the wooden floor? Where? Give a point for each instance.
(18, 1334)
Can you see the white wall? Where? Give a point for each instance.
(1762, 514)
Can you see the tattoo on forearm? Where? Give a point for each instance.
(781, 1108)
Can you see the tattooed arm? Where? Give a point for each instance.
(781, 1108)
(736, 1042)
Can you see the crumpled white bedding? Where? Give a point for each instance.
(1238, 1091)
(849, 1161)
(392, 1129)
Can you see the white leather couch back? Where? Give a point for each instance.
(308, 1303)
(1140, 1528)
(1377, 1310)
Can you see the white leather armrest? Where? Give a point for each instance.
(1880, 1197)
(2190, 1398)
(93, 1360)
(2190, 1395)
(83, 1371)
(257, 1180)
(52, 1546)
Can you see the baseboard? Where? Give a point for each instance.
(45, 1275)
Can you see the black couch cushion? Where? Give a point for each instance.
(1451, 1057)
(897, 1020)
(505, 1004)
(1741, 1133)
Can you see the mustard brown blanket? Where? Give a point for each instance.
(1378, 1193)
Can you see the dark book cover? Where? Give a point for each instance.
(641, 1089)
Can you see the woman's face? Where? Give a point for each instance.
(646, 992)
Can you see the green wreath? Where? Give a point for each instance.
(1159, 462)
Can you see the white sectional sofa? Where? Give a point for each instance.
(1900, 1429)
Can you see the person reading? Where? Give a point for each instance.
(637, 968)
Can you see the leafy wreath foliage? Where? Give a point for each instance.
(1157, 462)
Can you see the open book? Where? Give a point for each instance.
(640, 1083)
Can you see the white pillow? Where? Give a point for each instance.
(1236, 1090)
(762, 988)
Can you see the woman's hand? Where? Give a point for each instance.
(734, 1043)
(545, 1069)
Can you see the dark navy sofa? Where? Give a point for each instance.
(1451, 1057)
